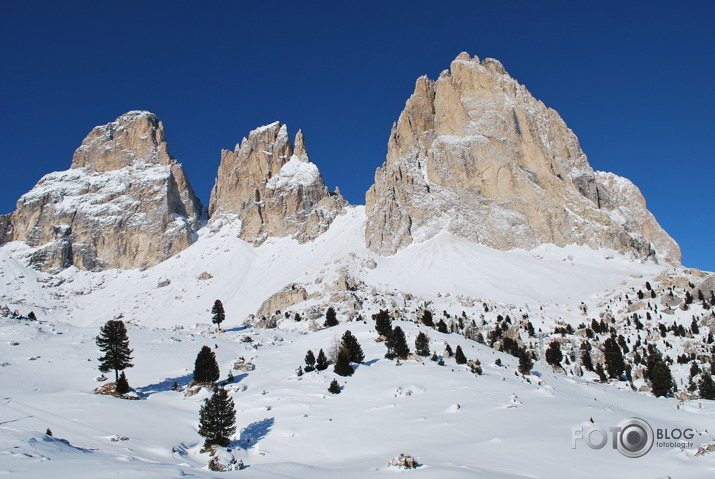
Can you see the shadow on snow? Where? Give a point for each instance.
(254, 432)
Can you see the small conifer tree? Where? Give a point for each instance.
(309, 361)
(694, 327)
(525, 362)
(707, 386)
(422, 345)
(586, 356)
(205, 367)
(321, 363)
(383, 323)
(334, 387)
(459, 356)
(330, 318)
(427, 318)
(342, 364)
(614, 358)
(217, 419)
(662, 382)
(554, 356)
(218, 314)
(351, 344)
(122, 386)
(442, 326)
(397, 345)
(601, 373)
(114, 343)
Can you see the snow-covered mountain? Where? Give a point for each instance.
(473, 153)
(278, 250)
(272, 188)
(124, 203)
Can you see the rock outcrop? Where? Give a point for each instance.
(124, 202)
(473, 153)
(283, 299)
(273, 188)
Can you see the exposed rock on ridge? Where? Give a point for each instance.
(273, 188)
(124, 203)
(473, 153)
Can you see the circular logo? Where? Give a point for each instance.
(635, 438)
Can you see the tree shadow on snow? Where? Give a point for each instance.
(237, 329)
(370, 362)
(254, 432)
(164, 385)
(236, 379)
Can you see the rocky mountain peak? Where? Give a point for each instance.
(125, 202)
(475, 154)
(137, 137)
(273, 188)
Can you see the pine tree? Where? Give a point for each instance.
(205, 367)
(342, 363)
(694, 327)
(601, 373)
(309, 361)
(383, 323)
(585, 354)
(427, 318)
(525, 362)
(330, 318)
(353, 347)
(322, 362)
(217, 419)
(218, 314)
(397, 345)
(422, 345)
(114, 343)
(334, 387)
(707, 386)
(614, 358)
(554, 356)
(662, 382)
(122, 386)
(459, 356)
(442, 326)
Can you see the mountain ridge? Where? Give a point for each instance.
(472, 153)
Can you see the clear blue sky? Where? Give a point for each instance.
(634, 80)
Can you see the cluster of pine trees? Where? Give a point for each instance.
(347, 352)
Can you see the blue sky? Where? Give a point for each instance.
(634, 80)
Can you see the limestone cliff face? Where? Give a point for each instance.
(473, 153)
(273, 188)
(124, 203)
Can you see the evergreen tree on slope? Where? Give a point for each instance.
(114, 343)
(217, 419)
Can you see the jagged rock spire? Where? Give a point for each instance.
(273, 188)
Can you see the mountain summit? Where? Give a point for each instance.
(273, 188)
(473, 153)
(124, 203)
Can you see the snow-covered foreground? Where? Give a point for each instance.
(498, 425)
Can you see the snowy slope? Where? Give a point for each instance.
(244, 276)
(500, 424)
(457, 424)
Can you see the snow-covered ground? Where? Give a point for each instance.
(498, 425)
